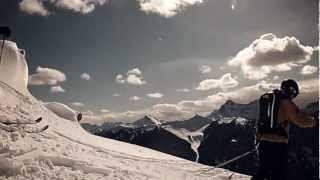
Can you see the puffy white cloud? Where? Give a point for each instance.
(135, 80)
(77, 104)
(185, 90)
(46, 76)
(134, 77)
(204, 69)
(119, 79)
(307, 70)
(57, 89)
(79, 6)
(33, 7)
(270, 53)
(134, 71)
(85, 76)
(135, 98)
(155, 95)
(225, 82)
(166, 8)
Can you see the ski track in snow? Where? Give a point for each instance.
(66, 151)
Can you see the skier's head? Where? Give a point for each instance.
(290, 88)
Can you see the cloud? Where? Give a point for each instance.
(104, 110)
(155, 95)
(46, 76)
(85, 76)
(134, 77)
(77, 104)
(116, 95)
(78, 6)
(119, 79)
(135, 71)
(234, 4)
(186, 109)
(270, 53)
(276, 77)
(185, 90)
(204, 69)
(135, 98)
(57, 89)
(169, 112)
(307, 70)
(225, 82)
(135, 80)
(241, 95)
(35, 7)
(81, 6)
(166, 8)
(127, 116)
(309, 86)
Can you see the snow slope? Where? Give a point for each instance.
(13, 67)
(66, 151)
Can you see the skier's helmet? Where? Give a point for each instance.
(290, 87)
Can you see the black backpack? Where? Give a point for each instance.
(268, 110)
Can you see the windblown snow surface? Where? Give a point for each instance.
(62, 110)
(66, 151)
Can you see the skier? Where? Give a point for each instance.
(276, 111)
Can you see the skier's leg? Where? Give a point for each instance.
(280, 166)
(263, 153)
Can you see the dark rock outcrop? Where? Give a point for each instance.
(223, 141)
(152, 137)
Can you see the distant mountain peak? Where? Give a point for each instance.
(234, 109)
(147, 120)
(197, 116)
(229, 102)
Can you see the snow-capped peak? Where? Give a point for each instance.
(147, 120)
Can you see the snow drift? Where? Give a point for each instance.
(62, 110)
(65, 150)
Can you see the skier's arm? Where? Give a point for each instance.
(296, 117)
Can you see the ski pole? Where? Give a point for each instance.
(235, 158)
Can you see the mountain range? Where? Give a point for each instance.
(224, 134)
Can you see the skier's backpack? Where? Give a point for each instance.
(268, 112)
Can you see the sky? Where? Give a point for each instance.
(119, 60)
